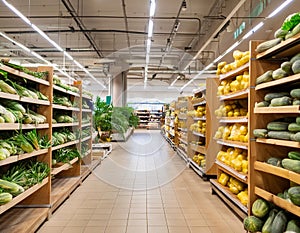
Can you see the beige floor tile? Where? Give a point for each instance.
(158, 229)
(78, 223)
(103, 211)
(202, 230)
(176, 222)
(180, 229)
(73, 229)
(138, 210)
(157, 222)
(137, 222)
(56, 223)
(120, 215)
(114, 229)
(174, 216)
(100, 217)
(196, 222)
(51, 229)
(173, 211)
(136, 229)
(137, 216)
(117, 222)
(155, 211)
(94, 230)
(97, 223)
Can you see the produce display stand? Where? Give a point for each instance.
(170, 126)
(144, 118)
(266, 181)
(223, 191)
(209, 100)
(37, 198)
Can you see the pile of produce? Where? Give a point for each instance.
(86, 119)
(23, 143)
(283, 129)
(20, 177)
(201, 142)
(41, 75)
(182, 124)
(85, 132)
(63, 118)
(267, 218)
(232, 109)
(239, 83)
(199, 127)
(286, 69)
(12, 112)
(199, 159)
(235, 186)
(240, 58)
(85, 92)
(62, 100)
(64, 155)
(84, 148)
(62, 136)
(235, 158)
(57, 81)
(233, 132)
(199, 112)
(289, 28)
(85, 104)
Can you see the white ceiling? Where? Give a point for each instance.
(99, 36)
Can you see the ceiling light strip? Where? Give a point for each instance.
(280, 8)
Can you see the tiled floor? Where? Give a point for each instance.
(143, 187)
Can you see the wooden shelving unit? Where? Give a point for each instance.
(267, 181)
(241, 95)
(144, 116)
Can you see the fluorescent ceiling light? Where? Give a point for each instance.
(258, 26)
(150, 28)
(148, 47)
(68, 56)
(79, 65)
(152, 8)
(172, 84)
(278, 9)
(18, 13)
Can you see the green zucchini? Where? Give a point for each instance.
(280, 33)
(279, 73)
(296, 67)
(279, 223)
(297, 137)
(260, 133)
(294, 194)
(294, 155)
(274, 161)
(294, 32)
(295, 58)
(295, 93)
(287, 67)
(294, 127)
(265, 77)
(270, 96)
(267, 45)
(262, 104)
(291, 165)
(282, 101)
(282, 135)
(296, 102)
(277, 126)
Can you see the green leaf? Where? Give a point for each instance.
(291, 21)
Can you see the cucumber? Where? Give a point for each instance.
(265, 77)
(270, 96)
(294, 32)
(277, 126)
(283, 101)
(295, 58)
(267, 45)
(294, 155)
(292, 137)
(294, 194)
(295, 93)
(262, 104)
(268, 223)
(293, 226)
(279, 223)
(297, 137)
(279, 73)
(296, 102)
(294, 127)
(291, 165)
(274, 161)
(282, 135)
(280, 33)
(298, 120)
(287, 67)
(5, 198)
(296, 67)
(260, 133)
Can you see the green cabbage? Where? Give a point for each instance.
(291, 21)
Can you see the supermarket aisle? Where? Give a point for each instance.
(143, 187)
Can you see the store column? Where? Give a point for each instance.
(119, 89)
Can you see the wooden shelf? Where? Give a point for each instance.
(280, 202)
(23, 75)
(183, 141)
(9, 96)
(65, 145)
(227, 169)
(277, 171)
(237, 71)
(243, 119)
(278, 142)
(32, 154)
(86, 138)
(236, 95)
(10, 159)
(284, 49)
(57, 106)
(278, 82)
(86, 153)
(199, 170)
(200, 149)
(202, 102)
(199, 118)
(199, 134)
(86, 125)
(22, 196)
(86, 110)
(282, 109)
(242, 145)
(35, 101)
(58, 88)
(199, 90)
(230, 198)
(86, 96)
(17, 126)
(63, 167)
(65, 124)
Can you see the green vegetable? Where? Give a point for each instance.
(7, 88)
(14, 105)
(11, 187)
(265, 77)
(22, 142)
(287, 67)
(296, 67)
(279, 73)
(294, 194)
(267, 45)
(293, 226)
(33, 138)
(291, 21)
(294, 155)
(2, 120)
(274, 161)
(291, 164)
(260, 208)
(294, 32)
(5, 198)
(282, 135)
(297, 137)
(268, 223)
(262, 104)
(283, 101)
(294, 127)
(4, 153)
(253, 224)
(277, 126)
(260, 133)
(279, 222)
(295, 58)
(296, 102)
(280, 33)
(273, 95)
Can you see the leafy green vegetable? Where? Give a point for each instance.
(291, 21)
